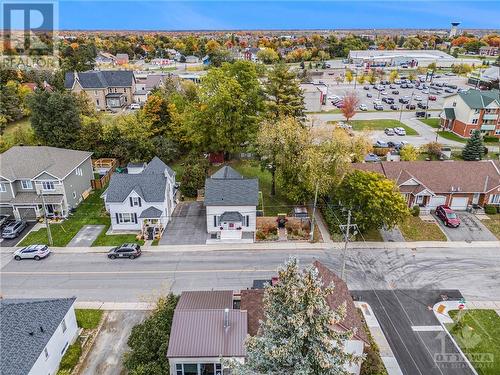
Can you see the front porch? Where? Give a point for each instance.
(31, 206)
(152, 227)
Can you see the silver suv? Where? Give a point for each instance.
(127, 250)
(13, 230)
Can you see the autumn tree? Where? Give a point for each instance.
(351, 102)
(284, 95)
(433, 149)
(408, 153)
(348, 76)
(268, 56)
(297, 335)
(393, 75)
(413, 43)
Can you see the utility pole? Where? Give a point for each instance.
(313, 219)
(49, 233)
(346, 229)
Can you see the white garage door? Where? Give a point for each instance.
(459, 203)
(438, 200)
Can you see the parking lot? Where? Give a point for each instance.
(470, 229)
(414, 334)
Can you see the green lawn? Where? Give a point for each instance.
(13, 126)
(477, 332)
(415, 229)
(493, 224)
(70, 358)
(452, 136)
(88, 318)
(380, 125)
(433, 122)
(272, 204)
(90, 212)
(373, 235)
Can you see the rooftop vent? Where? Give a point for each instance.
(226, 318)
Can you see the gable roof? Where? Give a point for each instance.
(20, 317)
(150, 184)
(27, 162)
(151, 213)
(227, 187)
(477, 99)
(100, 79)
(201, 333)
(441, 176)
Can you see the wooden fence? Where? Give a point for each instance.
(99, 164)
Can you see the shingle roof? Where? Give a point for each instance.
(477, 99)
(441, 176)
(201, 333)
(150, 213)
(19, 318)
(252, 302)
(226, 172)
(207, 300)
(95, 79)
(227, 187)
(150, 184)
(150, 187)
(26, 162)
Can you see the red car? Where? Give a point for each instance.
(449, 217)
(432, 97)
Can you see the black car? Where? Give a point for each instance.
(13, 230)
(449, 91)
(422, 105)
(411, 106)
(395, 92)
(366, 87)
(127, 250)
(394, 107)
(422, 114)
(403, 101)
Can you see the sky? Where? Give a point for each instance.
(251, 15)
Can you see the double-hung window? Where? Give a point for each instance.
(48, 185)
(26, 185)
(3, 189)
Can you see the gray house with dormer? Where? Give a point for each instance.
(143, 199)
(31, 176)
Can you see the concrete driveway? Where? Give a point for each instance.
(188, 225)
(106, 356)
(86, 236)
(470, 229)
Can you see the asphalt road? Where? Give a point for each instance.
(413, 332)
(93, 277)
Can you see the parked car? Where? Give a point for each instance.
(422, 105)
(370, 158)
(404, 86)
(380, 143)
(135, 106)
(400, 131)
(389, 131)
(384, 93)
(35, 252)
(4, 220)
(368, 95)
(363, 107)
(334, 98)
(432, 98)
(395, 92)
(13, 230)
(394, 107)
(127, 250)
(339, 104)
(366, 87)
(411, 106)
(378, 107)
(404, 100)
(448, 216)
(449, 91)
(418, 98)
(422, 114)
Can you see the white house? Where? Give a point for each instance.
(231, 203)
(35, 334)
(142, 200)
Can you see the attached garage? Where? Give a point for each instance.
(459, 203)
(27, 213)
(437, 200)
(6, 210)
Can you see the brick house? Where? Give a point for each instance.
(428, 184)
(106, 88)
(465, 112)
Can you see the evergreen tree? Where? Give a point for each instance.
(296, 336)
(474, 149)
(285, 98)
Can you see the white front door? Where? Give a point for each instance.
(475, 198)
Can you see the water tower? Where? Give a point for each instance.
(454, 29)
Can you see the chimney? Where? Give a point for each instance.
(226, 318)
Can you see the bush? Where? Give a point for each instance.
(260, 235)
(194, 176)
(70, 358)
(381, 151)
(490, 209)
(491, 139)
(415, 211)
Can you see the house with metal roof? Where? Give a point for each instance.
(143, 199)
(41, 180)
(231, 206)
(106, 88)
(35, 334)
(471, 110)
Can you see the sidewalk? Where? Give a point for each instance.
(390, 362)
(287, 246)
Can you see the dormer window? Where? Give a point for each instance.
(26, 185)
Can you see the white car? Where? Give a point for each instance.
(363, 107)
(417, 98)
(400, 131)
(35, 252)
(384, 93)
(135, 106)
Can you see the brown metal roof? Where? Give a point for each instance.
(208, 300)
(201, 333)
